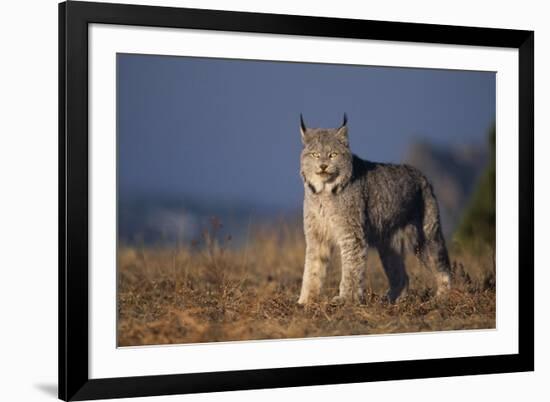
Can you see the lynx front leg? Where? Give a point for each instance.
(317, 259)
(353, 251)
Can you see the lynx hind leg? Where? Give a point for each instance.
(394, 266)
(433, 251)
(434, 256)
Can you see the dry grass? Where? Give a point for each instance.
(210, 292)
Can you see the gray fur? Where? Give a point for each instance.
(354, 204)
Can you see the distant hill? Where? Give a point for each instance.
(453, 173)
(164, 219)
(478, 224)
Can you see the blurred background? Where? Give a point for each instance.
(205, 142)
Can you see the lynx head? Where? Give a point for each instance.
(326, 159)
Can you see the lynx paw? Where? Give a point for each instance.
(338, 301)
(443, 284)
(395, 296)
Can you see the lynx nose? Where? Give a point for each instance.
(323, 167)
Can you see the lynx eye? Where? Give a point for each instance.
(333, 155)
(316, 155)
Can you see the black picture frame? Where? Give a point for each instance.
(74, 381)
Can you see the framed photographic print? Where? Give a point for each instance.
(257, 200)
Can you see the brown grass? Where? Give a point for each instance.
(211, 292)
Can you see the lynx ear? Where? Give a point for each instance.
(342, 132)
(302, 128)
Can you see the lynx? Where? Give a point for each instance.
(352, 204)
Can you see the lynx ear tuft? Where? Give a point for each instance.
(342, 132)
(302, 128)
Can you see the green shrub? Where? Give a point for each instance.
(476, 230)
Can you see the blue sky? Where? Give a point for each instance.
(219, 129)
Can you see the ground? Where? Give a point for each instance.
(211, 290)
